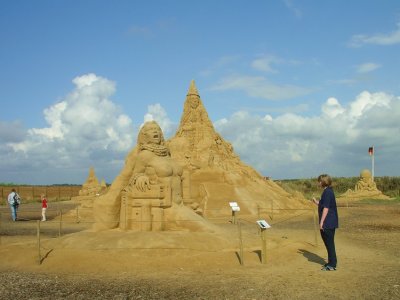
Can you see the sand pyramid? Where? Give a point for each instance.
(217, 175)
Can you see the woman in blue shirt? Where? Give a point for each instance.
(328, 219)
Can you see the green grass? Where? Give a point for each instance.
(380, 201)
(390, 186)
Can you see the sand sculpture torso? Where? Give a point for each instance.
(179, 183)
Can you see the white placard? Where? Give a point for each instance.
(263, 224)
(235, 208)
(232, 204)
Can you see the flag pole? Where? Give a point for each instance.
(373, 163)
(371, 151)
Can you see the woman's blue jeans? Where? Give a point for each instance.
(14, 210)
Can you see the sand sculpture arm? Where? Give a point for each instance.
(139, 177)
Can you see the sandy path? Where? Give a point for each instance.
(368, 247)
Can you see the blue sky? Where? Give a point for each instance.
(298, 87)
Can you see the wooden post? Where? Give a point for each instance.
(77, 214)
(233, 217)
(60, 228)
(315, 226)
(38, 241)
(264, 246)
(240, 243)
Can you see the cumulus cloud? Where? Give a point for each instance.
(84, 129)
(335, 141)
(382, 39)
(11, 132)
(157, 113)
(260, 87)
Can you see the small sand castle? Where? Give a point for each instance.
(365, 188)
(178, 184)
(90, 188)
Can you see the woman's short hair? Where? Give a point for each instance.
(325, 180)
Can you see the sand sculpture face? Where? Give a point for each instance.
(150, 134)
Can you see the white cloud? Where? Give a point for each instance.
(265, 63)
(87, 129)
(84, 129)
(367, 67)
(336, 141)
(157, 113)
(332, 108)
(382, 39)
(261, 87)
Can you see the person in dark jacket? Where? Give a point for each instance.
(328, 219)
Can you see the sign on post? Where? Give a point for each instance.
(263, 225)
(235, 208)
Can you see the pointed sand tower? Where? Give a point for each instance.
(216, 174)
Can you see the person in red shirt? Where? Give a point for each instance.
(44, 207)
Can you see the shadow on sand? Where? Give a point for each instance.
(312, 257)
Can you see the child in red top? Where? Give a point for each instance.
(44, 207)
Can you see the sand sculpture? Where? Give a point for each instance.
(91, 186)
(178, 184)
(364, 188)
(91, 189)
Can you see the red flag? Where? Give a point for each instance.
(371, 150)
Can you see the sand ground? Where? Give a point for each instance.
(184, 265)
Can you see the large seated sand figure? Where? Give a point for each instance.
(364, 188)
(194, 173)
(148, 194)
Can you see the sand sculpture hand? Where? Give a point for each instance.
(142, 183)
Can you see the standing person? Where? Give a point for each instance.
(44, 207)
(14, 201)
(328, 219)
